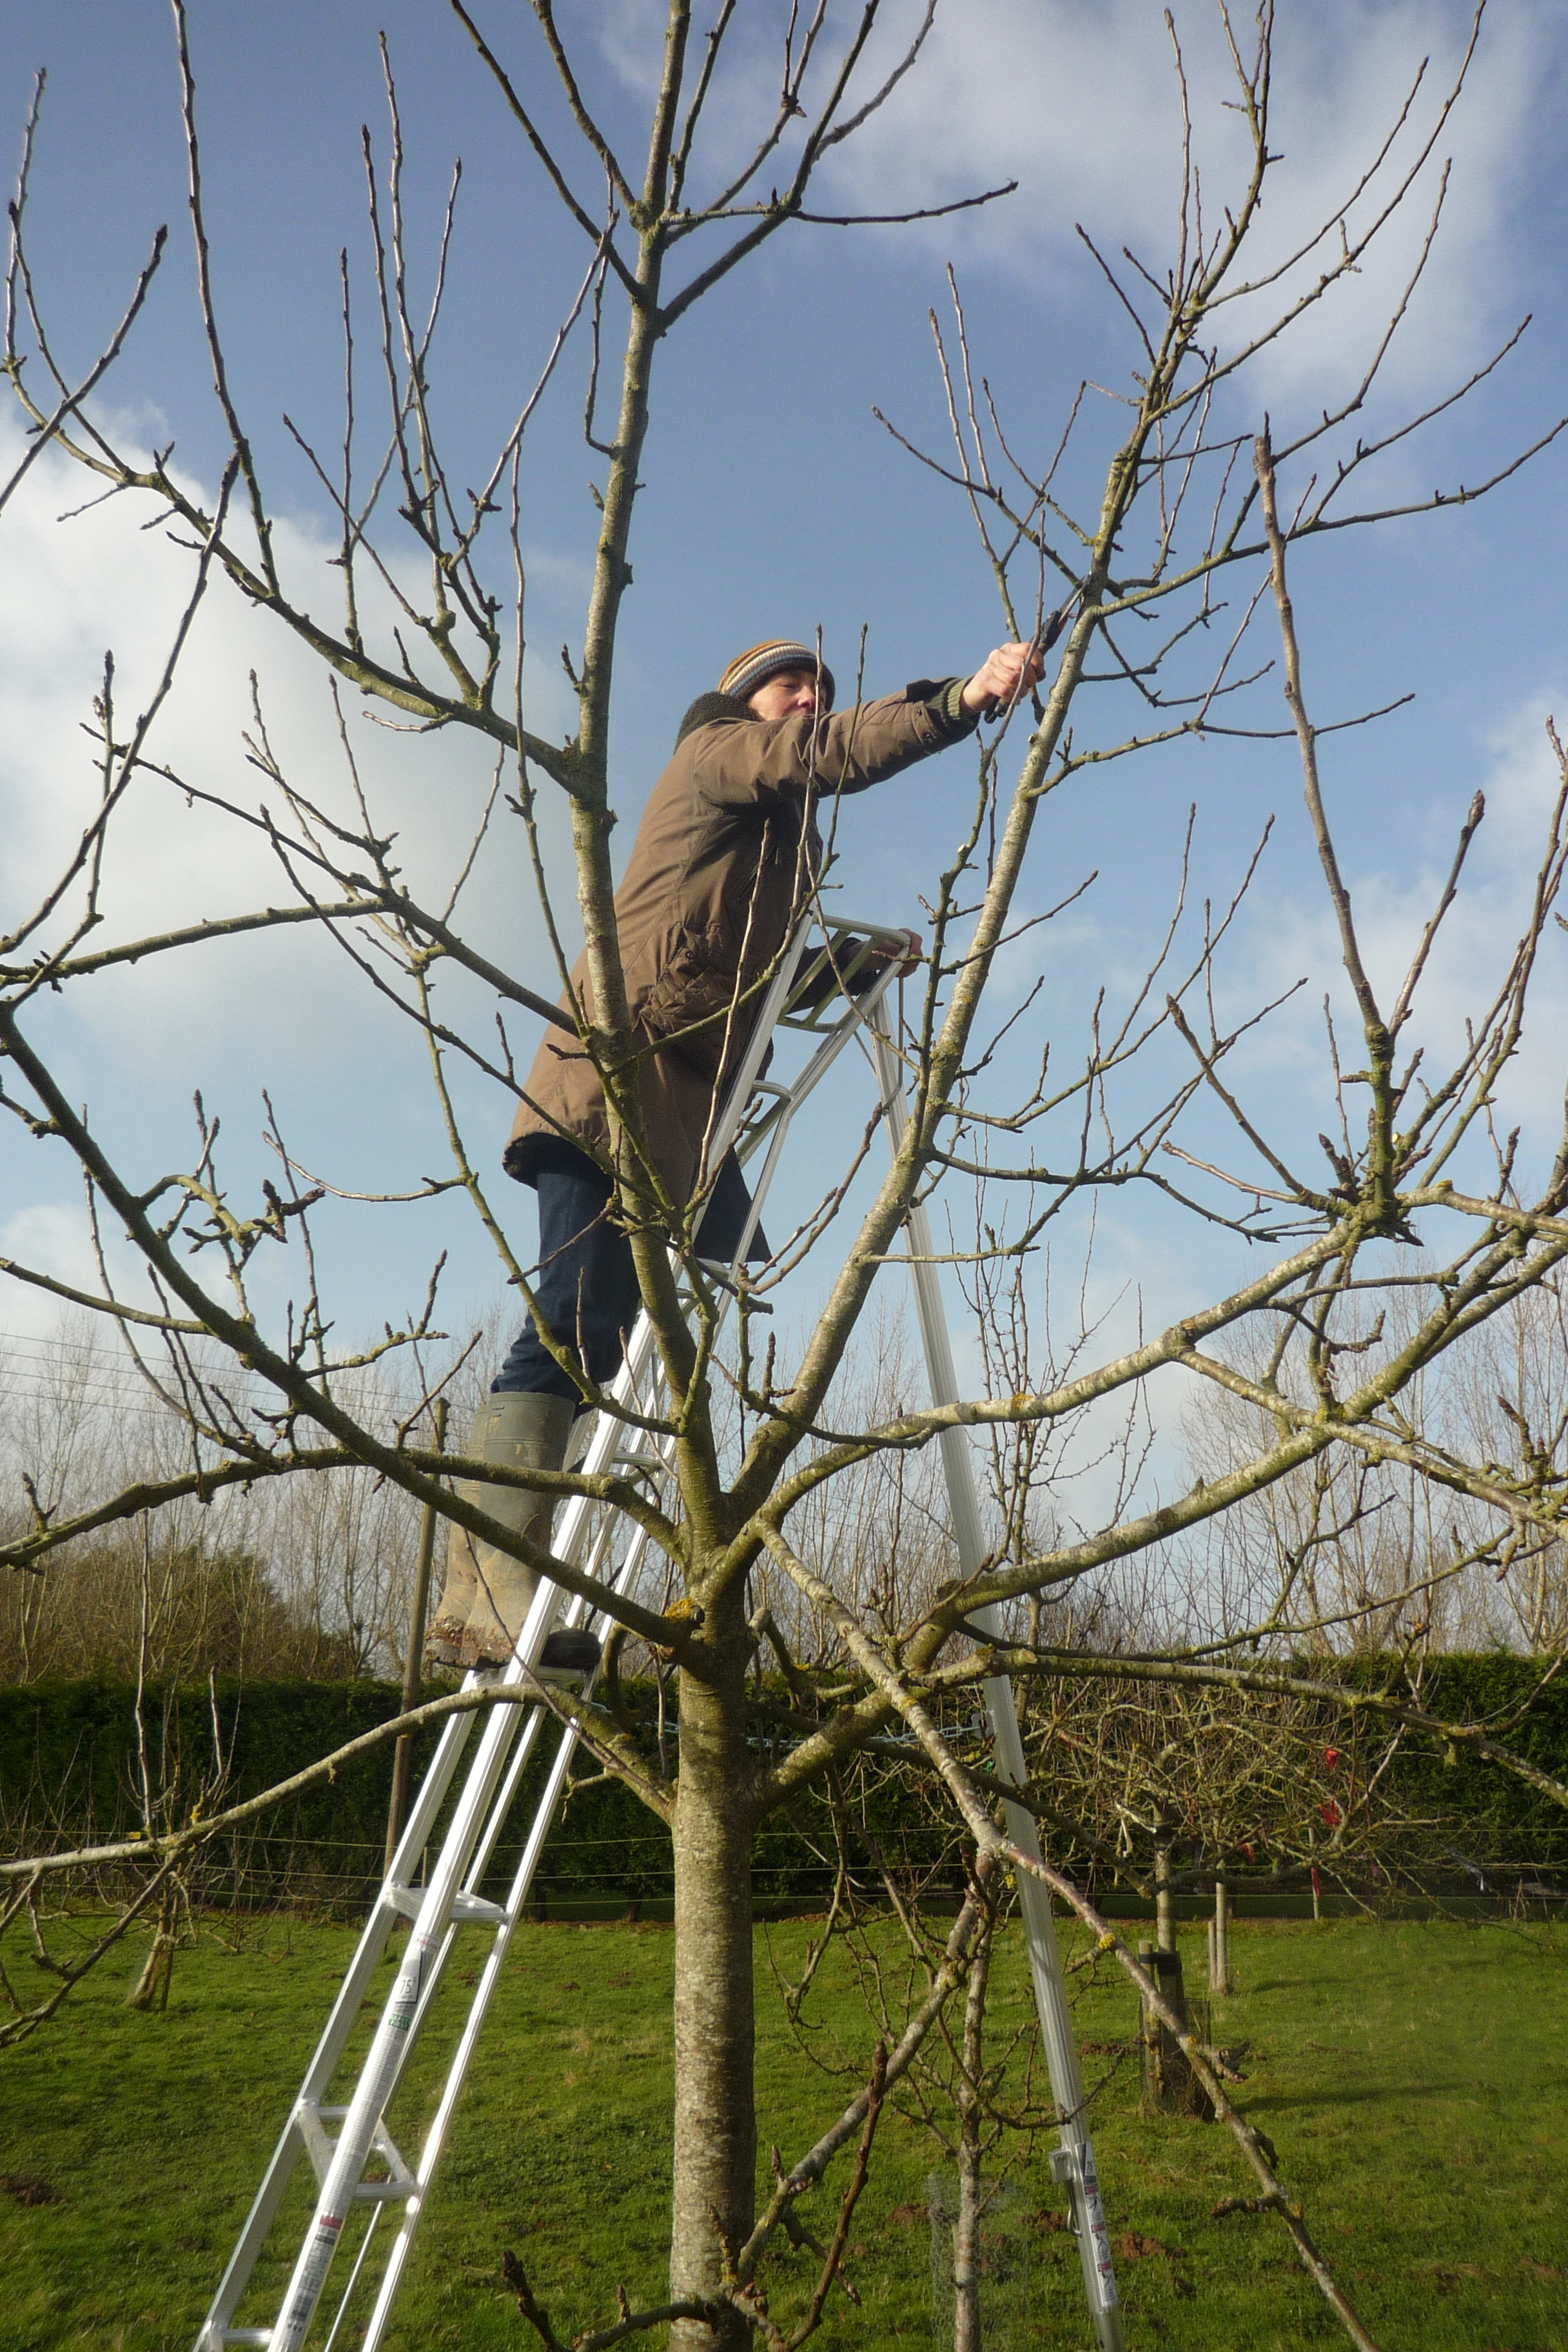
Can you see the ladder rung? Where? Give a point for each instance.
(248, 2336)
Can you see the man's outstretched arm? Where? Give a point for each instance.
(743, 758)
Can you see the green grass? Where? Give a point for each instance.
(1414, 2079)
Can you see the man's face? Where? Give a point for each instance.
(782, 694)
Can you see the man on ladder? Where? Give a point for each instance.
(726, 855)
(826, 988)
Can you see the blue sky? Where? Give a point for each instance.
(774, 501)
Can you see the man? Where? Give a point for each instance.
(725, 857)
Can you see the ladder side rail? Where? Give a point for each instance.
(749, 1068)
(432, 1793)
(500, 1805)
(534, 1843)
(534, 1718)
(792, 1092)
(773, 1014)
(490, 1976)
(479, 1865)
(1075, 2167)
(356, 2138)
(456, 2075)
(345, 2008)
(610, 1433)
(608, 1437)
(473, 1877)
(747, 1123)
(429, 1946)
(838, 931)
(365, 2243)
(290, 2144)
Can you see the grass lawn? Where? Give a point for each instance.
(1414, 2079)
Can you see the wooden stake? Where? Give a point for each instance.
(414, 1662)
(1167, 2084)
(1164, 1909)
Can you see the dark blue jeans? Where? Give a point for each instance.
(586, 1285)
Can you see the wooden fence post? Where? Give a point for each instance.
(1164, 1909)
(414, 1662)
(1219, 1937)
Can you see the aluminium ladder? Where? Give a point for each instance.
(358, 2167)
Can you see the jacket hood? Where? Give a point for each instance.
(705, 709)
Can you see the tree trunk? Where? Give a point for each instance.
(715, 2134)
(150, 1990)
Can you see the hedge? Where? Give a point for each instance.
(69, 1776)
(1489, 1813)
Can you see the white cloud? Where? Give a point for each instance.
(50, 1239)
(1292, 932)
(70, 592)
(1080, 103)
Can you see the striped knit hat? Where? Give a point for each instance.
(748, 670)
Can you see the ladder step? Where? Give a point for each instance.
(248, 2336)
(468, 1910)
(476, 1911)
(319, 2147)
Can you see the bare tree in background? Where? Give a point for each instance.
(1195, 492)
(306, 1576)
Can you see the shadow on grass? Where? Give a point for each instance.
(1366, 2094)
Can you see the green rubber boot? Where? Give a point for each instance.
(447, 1633)
(523, 1432)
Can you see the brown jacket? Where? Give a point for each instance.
(727, 849)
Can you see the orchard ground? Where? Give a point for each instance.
(1413, 2077)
